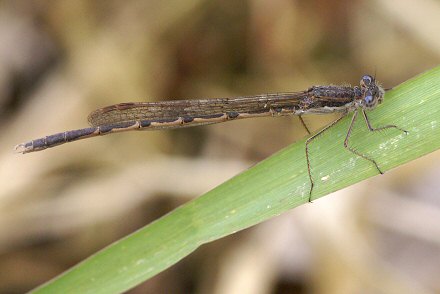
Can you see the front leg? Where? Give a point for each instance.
(367, 121)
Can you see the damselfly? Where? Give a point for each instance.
(188, 113)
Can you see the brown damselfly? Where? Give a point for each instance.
(187, 113)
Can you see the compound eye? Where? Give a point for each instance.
(367, 80)
(369, 99)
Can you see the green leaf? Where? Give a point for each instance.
(270, 188)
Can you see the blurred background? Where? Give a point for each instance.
(59, 60)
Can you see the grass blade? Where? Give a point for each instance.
(273, 186)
